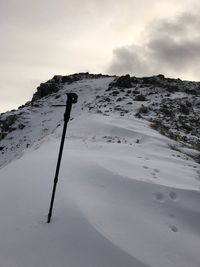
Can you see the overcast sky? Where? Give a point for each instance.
(42, 38)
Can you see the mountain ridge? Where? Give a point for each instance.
(172, 106)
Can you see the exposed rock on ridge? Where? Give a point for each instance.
(171, 106)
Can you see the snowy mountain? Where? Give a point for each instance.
(129, 185)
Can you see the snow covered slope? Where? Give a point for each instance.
(126, 195)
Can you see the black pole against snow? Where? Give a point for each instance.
(71, 99)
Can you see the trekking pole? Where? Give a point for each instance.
(71, 99)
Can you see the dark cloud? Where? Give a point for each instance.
(128, 59)
(172, 48)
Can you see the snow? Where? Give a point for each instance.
(124, 197)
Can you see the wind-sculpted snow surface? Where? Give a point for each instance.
(126, 196)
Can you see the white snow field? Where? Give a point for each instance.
(123, 198)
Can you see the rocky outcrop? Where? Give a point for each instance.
(58, 81)
(46, 89)
(6, 125)
(158, 81)
(176, 118)
(80, 76)
(123, 82)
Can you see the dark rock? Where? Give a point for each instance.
(114, 93)
(192, 91)
(46, 89)
(118, 108)
(8, 122)
(166, 110)
(57, 96)
(187, 127)
(35, 105)
(184, 109)
(140, 98)
(124, 82)
(172, 88)
(107, 99)
(135, 79)
(136, 92)
(11, 129)
(57, 78)
(21, 126)
(3, 135)
(6, 125)
(168, 95)
(67, 79)
(161, 76)
(22, 106)
(188, 104)
(153, 80)
(143, 109)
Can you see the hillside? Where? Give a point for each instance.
(128, 195)
(171, 105)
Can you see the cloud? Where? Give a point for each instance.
(42, 38)
(171, 47)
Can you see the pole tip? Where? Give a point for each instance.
(49, 219)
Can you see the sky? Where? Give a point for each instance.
(40, 39)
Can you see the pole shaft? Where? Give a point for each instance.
(66, 119)
(57, 172)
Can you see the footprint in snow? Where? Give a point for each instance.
(173, 196)
(159, 197)
(145, 167)
(156, 170)
(154, 175)
(173, 228)
(172, 215)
